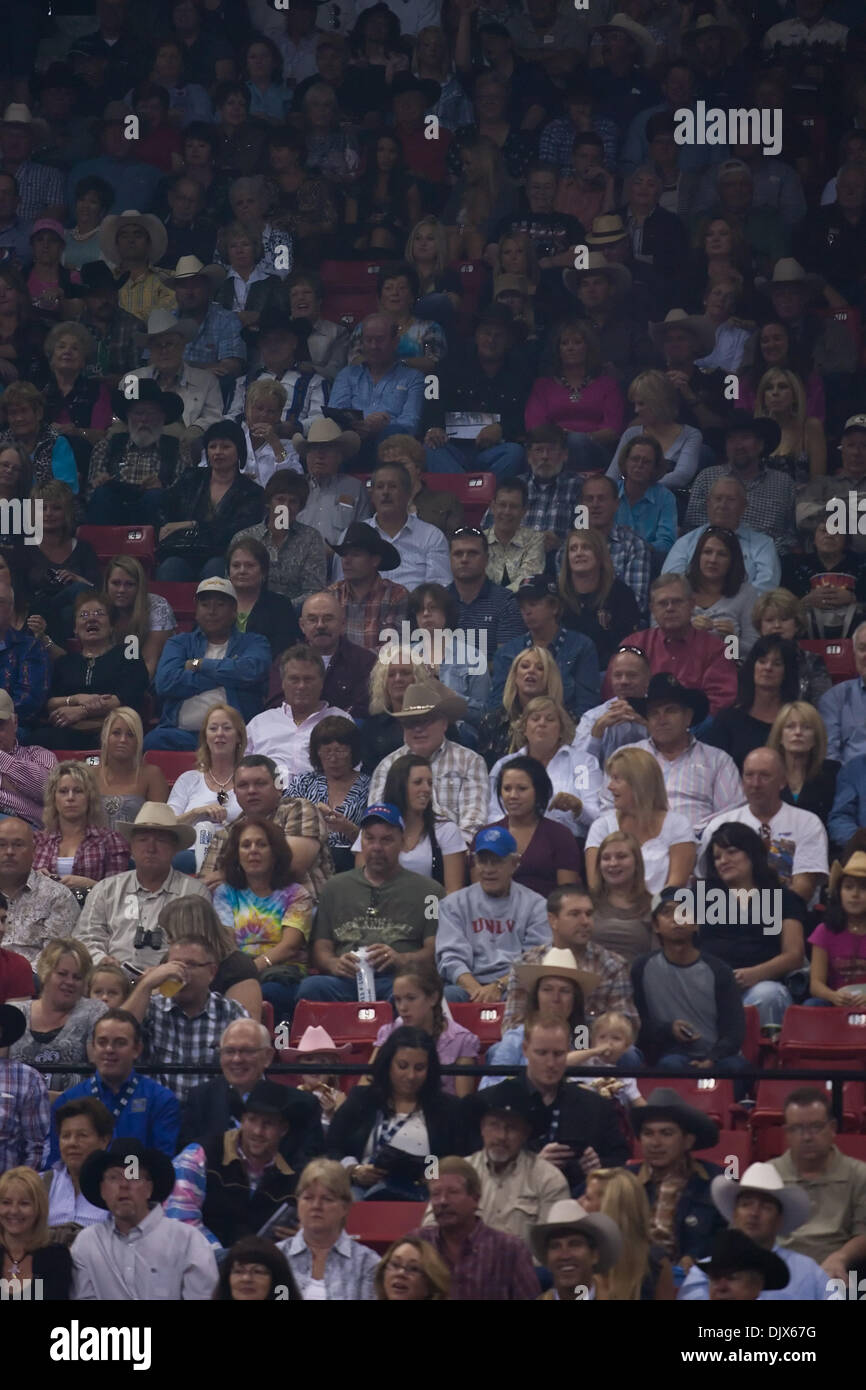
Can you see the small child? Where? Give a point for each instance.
(611, 1035)
(110, 984)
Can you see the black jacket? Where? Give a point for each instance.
(189, 500)
(273, 617)
(657, 1039)
(586, 1121)
(347, 679)
(53, 1265)
(697, 1219)
(230, 1210)
(350, 1128)
(212, 1109)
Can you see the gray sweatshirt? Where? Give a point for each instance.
(484, 935)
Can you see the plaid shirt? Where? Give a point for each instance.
(134, 464)
(25, 1115)
(23, 774)
(295, 817)
(140, 297)
(493, 1267)
(219, 336)
(386, 605)
(298, 565)
(172, 1038)
(459, 783)
(612, 994)
(39, 187)
(770, 501)
(631, 558)
(117, 351)
(551, 505)
(101, 853)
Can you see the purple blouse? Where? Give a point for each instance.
(453, 1043)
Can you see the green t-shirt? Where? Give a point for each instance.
(400, 913)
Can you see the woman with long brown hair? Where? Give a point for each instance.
(418, 995)
(622, 921)
(594, 601)
(575, 393)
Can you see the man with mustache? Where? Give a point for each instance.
(129, 470)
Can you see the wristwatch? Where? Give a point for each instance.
(196, 663)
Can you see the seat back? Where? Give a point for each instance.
(752, 1040)
(379, 1224)
(484, 1020)
(714, 1095)
(180, 596)
(171, 764)
(346, 1023)
(824, 1034)
(137, 541)
(475, 490)
(838, 656)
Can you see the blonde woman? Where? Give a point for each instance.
(643, 1271)
(623, 918)
(60, 1020)
(427, 251)
(26, 1250)
(594, 601)
(514, 254)
(779, 613)
(263, 414)
(123, 780)
(136, 613)
(545, 731)
(640, 805)
(800, 738)
(389, 681)
(75, 848)
(483, 196)
(206, 793)
(802, 449)
(193, 918)
(533, 672)
(656, 405)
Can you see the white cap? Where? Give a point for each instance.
(217, 586)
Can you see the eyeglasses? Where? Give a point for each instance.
(92, 613)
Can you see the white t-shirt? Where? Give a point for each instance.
(191, 790)
(420, 859)
(798, 844)
(656, 852)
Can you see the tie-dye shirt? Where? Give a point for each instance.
(259, 923)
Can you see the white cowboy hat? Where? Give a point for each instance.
(788, 271)
(17, 113)
(560, 963)
(162, 321)
(697, 324)
(597, 264)
(569, 1216)
(763, 1178)
(325, 431)
(640, 36)
(155, 815)
(431, 697)
(188, 267)
(132, 217)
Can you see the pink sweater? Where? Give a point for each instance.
(601, 406)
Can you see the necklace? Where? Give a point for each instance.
(222, 794)
(574, 392)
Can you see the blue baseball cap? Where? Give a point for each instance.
(383, 810)
(496, 841)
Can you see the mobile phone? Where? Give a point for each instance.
(689, 1033)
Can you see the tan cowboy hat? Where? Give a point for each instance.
(519, 284)
(854, 868)
(431, 697)
(132, 217)
(162, 321)
(787, 271)
(562, 965)
(606, 229)
(155, 815)
(640, 37)
(316, 1040)
(568, 1217)
(325, 431)
(17, 113)
(619, 275)
(763, 1178)
(697, 324)
(705, 23)
(188, 267)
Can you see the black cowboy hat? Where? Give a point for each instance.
(733, 1252)
(508, 1098)
(664, 686)
(267, 1098)
(158, 1166)
(95, 277)
(664, 1103)
(13, 1025)
(360, 536)
(742, 422)
(148, 391)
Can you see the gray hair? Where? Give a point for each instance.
(263, 1034)
(665, 581)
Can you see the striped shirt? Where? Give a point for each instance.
(701, 782)
(386, 605)
(459, 783)
(313, 786)
(140, 297)
(23, 775)
(493, 1267)
(39, 187)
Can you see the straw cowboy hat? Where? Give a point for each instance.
(188, 267)
(317, 1040)
(618, 275)
(560, 964)
(568, 1217)
(606, 229)
(763, 1178)
(787, 271)
(854, 868)
(156, 815)
(132, 218)
(156, 1164)
(697, 324)
(324, 431)
(431, 698)
(640, 37)
(707, 23)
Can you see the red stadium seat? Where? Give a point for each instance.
(752, 1040)
(851, 319)
(180, 596)
(854, 1145)
(474, 280)
(826, 1035)
(171, 764)
(484, 1020)
(346, 1023)
(475, 490)
(78, 755)
(137, 541)
(268, 1016)
(772, 1142)
(714, 1095)
(838, 656)
(349, 275)
(768, 1113)
(379, 1224)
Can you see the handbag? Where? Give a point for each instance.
(184, 545)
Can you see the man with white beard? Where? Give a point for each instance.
(128, 470)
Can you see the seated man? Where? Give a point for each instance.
(217, 345)
(214, 664)
(140, 1107)
(740, 1271)
(199, 390)
(422, 548)
(843, 709)
(616, 722)
(515, 552)
(575, 1245)
(485, 609)
(380, 906)
(134, 243)
(25, 1109)
(24, 770)
(115, 332)
(232, 1184)
(834, 1234)
(460, 782)
(486, 1265)
(129, 470)
(25, 670)
(762, 1208)
(726, 507)
(336, 498)
(284, 733)
(575, 654)
(552, 493)
(433, 505)
(186, 1025)
(684, 1220)
(749, 441)
(282, 345)
(849, 802)
(689, 1003)
(216, 1106)
(387, 396)
(370, 603)
(172, 1260)
(347, 666)
(485, 927)
(120, 921)
(38, 909)
(697, 658)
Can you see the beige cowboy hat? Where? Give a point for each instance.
(854, 868)
(707, 22)
(568, 1217)
(518, 284)
(788, 271)
(155, 815)
(17, 113)
(640, 37)
(316, 1040)
(325, 431)
(606, 229)
(697, 324)
(188, 267)
(618, 275)
(431, 697)
(132, 218)
(560, 964)
(161, 321)
(763, 1178)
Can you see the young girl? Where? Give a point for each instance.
(611, 1035)
(110, 984)
(838, 973)
(418, 1001)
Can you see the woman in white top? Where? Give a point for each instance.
(640, 805)
(263, 413)
(136, 613)
(546, 732)
(84, 1125)
(432, 845)
(205, 796)
(245, 255)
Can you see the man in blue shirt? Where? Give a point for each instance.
(134, 182)
(575, 655)
(487, 613)
(217, 346)
(726, 505)
(142, 1109)
(389, 396)
(843, 709)
(849, 803)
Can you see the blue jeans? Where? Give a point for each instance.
(461, 456)
(771, 999)
(680, 1062)
(172, 740)
(813, 1003)
(282, 995)
(175, 570)
(455, 994)
(331, 989)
